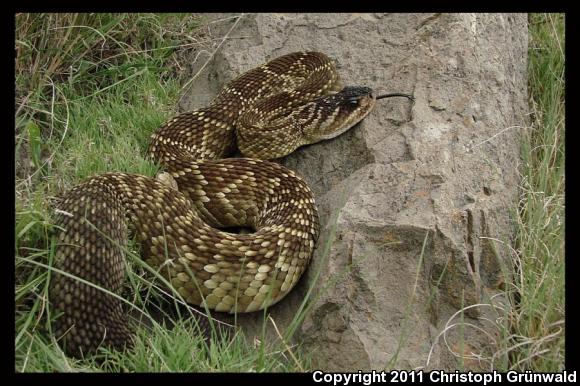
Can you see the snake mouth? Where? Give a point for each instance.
(355, 103)
(353, 110)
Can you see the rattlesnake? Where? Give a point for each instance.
(266, 113)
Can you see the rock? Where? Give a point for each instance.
(415, 201)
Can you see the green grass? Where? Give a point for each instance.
(537, 325)
(89, 91)
(527, 325)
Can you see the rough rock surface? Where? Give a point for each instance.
(412, 198)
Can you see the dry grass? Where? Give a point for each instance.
(538, 324)
(76, 75)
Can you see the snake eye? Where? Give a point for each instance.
(353, 101)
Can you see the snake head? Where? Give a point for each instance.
(283, 130)
(338, 112)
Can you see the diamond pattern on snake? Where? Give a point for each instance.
(266, 113)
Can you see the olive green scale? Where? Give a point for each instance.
(179, 229)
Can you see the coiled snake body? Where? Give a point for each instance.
(267, 112)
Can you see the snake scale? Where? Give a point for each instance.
(266, 113)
